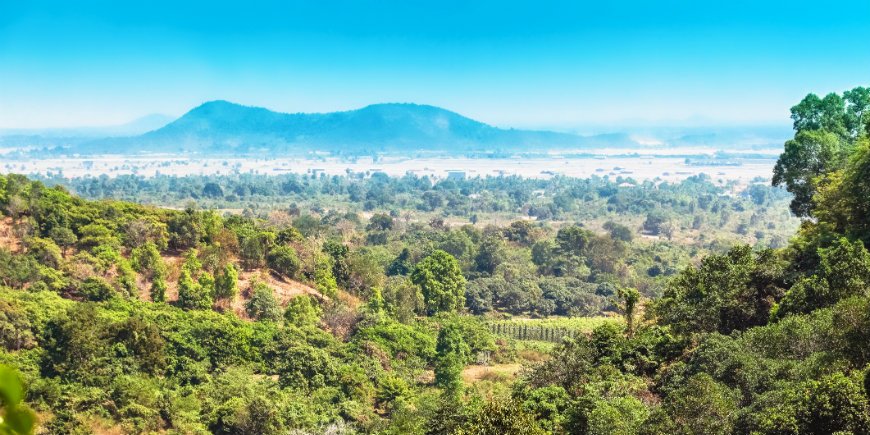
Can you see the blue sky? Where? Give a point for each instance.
(526, 64)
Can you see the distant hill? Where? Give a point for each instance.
(222, 126)
(75, 137)
(137, 126)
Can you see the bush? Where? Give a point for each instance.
(284, 261)
(97, 289)
(263, 305)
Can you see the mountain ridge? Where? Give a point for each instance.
(224, 126)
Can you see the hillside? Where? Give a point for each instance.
(221, 127)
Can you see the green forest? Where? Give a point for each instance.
(314, 304)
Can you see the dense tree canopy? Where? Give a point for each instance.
(441, 280)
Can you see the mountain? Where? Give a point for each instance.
(222, 126)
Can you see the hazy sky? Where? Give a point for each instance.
(537, 63)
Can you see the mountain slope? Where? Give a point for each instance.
(221, 126)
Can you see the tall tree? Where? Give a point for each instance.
(441, 280)
(452, 353)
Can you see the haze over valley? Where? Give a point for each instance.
(220, 137)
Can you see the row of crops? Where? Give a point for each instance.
(550, 330)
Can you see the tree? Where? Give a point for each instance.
(64, 237)
(802, 167)
(186, 229)
(490, 254)
(284, 261)
(842, 202)
(147, 229)
(833, 404)
(521, 232)
(380, 222)
(401, 265)
(212, 190)
(45, 251)
(814, 114)
(338, 253)
(630, 297)
(226, 283)
(619, 231)
(656, 222)
(623, 415)
(263, 305)
(158, 289)
(825, 132)
(97, 289)
(702, 406)
(253, 246)
(301, 311)
(404, 299)
(324, 280)
(192, 295)
(573, 241)
(499, 417)
(844, 271)
(452, 354)
(146, 259)
(731, 291)
(191, 263)
(441, 281)
(94, 235)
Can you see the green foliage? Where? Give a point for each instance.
(284, 261)
(324, 280)
(630, 298)
(825, 129)
(191, 294)
(263, 305)
(441, 282)
(400, 340)
(45, 251)
(747, 341)
(844, 271)
(146, 259)
(841, 202)
(807, 159)
(501, 418)
(403, 299)
(97, 235)
(158, 289)
(548, 405)
(733, 291)
(490, 254)
(17, 418)
(226, 284)
(833, 404)
(619, 232)
(624, 415)
(702, 405)
(301, 311)
(97, 289)
(401, 265)
(452, 355)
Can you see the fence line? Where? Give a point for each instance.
(518, 331)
